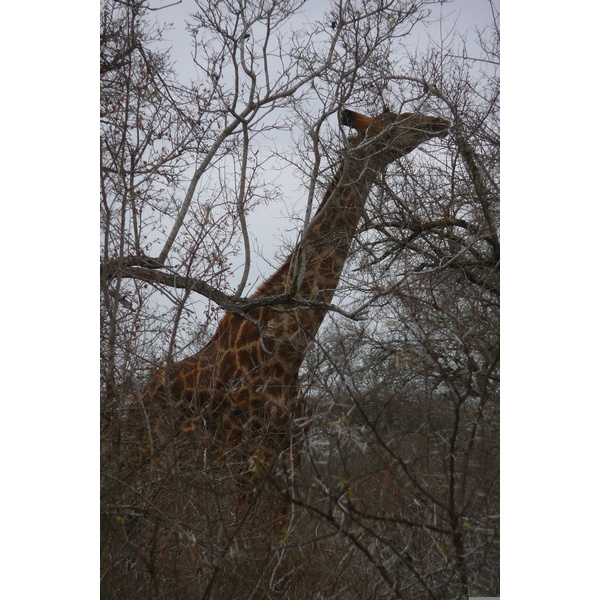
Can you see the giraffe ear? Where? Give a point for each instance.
(346, 117)
(349, 118)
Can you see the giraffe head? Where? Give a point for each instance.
(389, 136)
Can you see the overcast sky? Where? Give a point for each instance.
(271, 225)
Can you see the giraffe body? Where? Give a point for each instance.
(243, 385)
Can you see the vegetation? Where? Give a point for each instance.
(397, 495)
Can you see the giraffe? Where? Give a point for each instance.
(242, 387)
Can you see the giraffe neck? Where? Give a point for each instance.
(267, 360)
(314, 268)
(247, 376)
(263, 361)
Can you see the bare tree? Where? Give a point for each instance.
(416, 386)
(398, 490)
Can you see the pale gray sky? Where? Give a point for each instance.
(270, 224)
